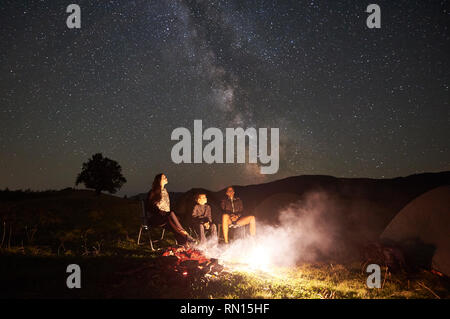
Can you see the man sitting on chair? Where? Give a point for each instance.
(232, 209)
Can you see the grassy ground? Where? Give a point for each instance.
(136, 272)
(327, 281)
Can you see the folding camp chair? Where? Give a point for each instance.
(145, 226)
(237, 231)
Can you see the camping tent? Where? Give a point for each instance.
(269, 208)
(425, 219)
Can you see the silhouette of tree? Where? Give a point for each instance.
(102, 174)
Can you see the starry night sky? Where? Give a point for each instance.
(349, 101)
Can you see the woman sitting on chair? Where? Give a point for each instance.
(160, 213)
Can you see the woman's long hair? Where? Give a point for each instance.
(155, 193)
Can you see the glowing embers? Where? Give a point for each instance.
(189, 261)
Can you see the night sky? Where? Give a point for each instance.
(349, 101)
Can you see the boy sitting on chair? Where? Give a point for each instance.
(201, 218)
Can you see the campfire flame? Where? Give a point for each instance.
(242, 255)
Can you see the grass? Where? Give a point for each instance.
(133, 271)
(325, 281)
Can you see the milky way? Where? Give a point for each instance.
(349, 101)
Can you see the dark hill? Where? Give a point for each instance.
(72, 216)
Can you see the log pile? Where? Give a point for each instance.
(190, 262)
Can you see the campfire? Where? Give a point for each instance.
(190, 261)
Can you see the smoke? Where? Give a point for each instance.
(306, 232)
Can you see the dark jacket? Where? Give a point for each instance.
(234, 207)
(202, 213)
